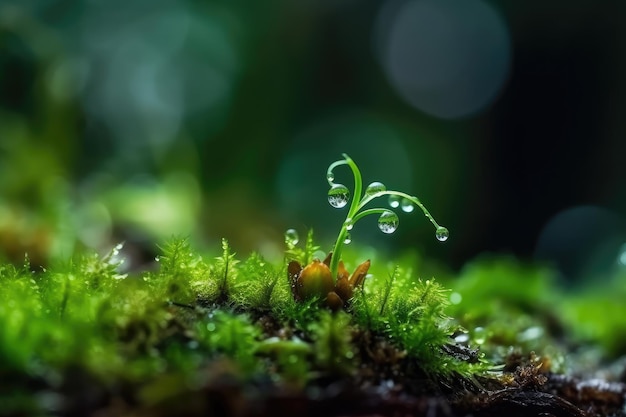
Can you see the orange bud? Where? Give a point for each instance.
(314, 281)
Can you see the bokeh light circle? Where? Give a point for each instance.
(447, 58)
(582, 242)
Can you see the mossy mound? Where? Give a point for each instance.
(196, 335)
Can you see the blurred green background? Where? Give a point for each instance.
(137, 120)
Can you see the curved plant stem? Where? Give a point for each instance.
(354, 207)
(367, 212)
(411, 198)
(359, 202)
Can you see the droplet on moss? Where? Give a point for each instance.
(480, 335)
(291, 237)
(455, 298)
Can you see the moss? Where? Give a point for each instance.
(231, 335)
(85, 314)
(412, 313)
(332, 343)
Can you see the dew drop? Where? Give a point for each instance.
(462, 338)
(480, 335)
(291, 237)
(532, 333)
(348, 239)
(394, 201)
(442, 234)
(330, 177)
(388, 222)
(348, 224)
(116, 249)
(456, 298)
(338, 195)
(375, 187)
(407, 205)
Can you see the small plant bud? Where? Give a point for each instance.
(315, 280)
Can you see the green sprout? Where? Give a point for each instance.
(339, 195)
(329, 281)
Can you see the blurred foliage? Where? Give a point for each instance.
(596, 313)
(194, 117)
(507, 305)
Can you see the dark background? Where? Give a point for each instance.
(219, 118)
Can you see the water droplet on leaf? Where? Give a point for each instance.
(291, 238)
(347, 239)
(349, 224)
(407, 205)
(330, 177)
(338, 195)
(394, 201)
(442, 234)
(375, 187)
(388, 222)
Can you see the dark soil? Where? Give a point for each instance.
(388, 383)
